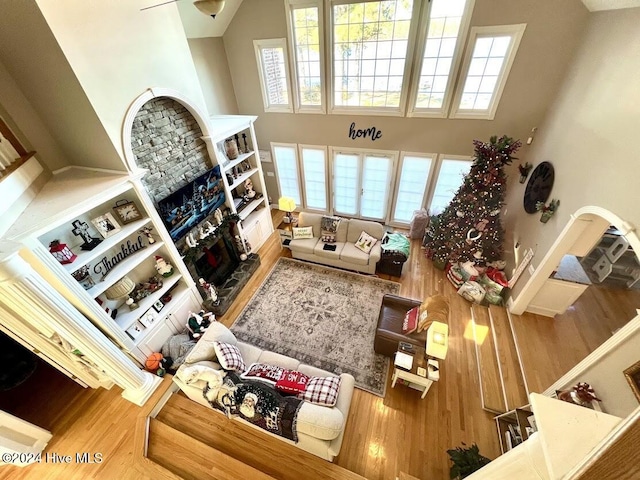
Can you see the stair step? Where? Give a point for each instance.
(246, 444)
(191, 459)
(512, 380)
(492, 393)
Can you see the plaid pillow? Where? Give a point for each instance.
(292, 382)
(229, 357)
(322, 391)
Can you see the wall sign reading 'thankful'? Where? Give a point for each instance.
(372, 132)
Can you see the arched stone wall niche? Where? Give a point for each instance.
(162, 134)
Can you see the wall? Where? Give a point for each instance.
(553, 31)
(42, 95)
(117, 51)
(588, 134)
(210, 61)
(165, 139)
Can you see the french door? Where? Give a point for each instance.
(361, 182)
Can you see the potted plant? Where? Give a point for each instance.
(466, 461)
(547, 210)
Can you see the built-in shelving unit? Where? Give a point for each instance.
(256, 225)
(85, 194)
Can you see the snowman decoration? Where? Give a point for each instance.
(162, 267)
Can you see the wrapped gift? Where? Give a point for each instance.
(454, 275)
(469, 271)
(493, 290)
(472, 291)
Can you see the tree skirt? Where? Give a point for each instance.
(321, 316)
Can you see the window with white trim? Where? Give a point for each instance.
(370, 44)
(490, 54)
(314, 173)
(305, 24)
(361, 182)
(285, 158)
(451, 172)
(438, 57)
(412, 186)
(273, 70)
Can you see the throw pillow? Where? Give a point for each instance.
(302, 232)
(366, 242)
(410, 323)
(322, 391)
(263, 372)
(329, 227)
(292, 382)
(229, 357)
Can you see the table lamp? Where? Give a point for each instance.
(437, 340)
(287, 204)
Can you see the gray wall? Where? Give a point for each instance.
(210, 61)
(553, 32)
(589, 135)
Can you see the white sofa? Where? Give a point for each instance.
(320, 429)
(346, 255)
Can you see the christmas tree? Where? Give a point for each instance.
(469, 228)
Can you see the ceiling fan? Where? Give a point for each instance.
(208, 7)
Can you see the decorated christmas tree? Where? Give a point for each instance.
(469, 228)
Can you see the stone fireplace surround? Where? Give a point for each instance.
(162, 133)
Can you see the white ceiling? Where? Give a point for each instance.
(198, 25)
(598, 5)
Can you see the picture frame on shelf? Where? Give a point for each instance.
(632, 375)
(127, 211)
(148, 318)
(135, 330)
(158, 306)
(106, 225)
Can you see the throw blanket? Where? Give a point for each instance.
(177, 348)
(396, 243)
(257, 403)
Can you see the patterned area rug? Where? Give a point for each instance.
(322, 316)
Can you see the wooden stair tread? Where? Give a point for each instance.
(490, 383)
(245, 443)
(190, 458)
(512, 379)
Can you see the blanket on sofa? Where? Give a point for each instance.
(257, 403)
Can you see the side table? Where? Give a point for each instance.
(422, 374)
(286, 232)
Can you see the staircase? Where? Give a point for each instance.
(502, 383)
(195, 442)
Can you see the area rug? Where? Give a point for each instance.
(324, 317)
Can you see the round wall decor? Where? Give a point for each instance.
(538, 187)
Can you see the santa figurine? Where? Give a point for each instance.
(210, 289)
(162, 267)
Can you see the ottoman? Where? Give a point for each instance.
(389, 328)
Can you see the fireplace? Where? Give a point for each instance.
(217, 261)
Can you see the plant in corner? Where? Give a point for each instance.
(466, 461)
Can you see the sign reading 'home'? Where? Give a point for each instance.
(372, 132)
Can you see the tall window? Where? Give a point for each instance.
(361, 182)
(412, 186)
(285, 157)
(370, 43)
(451, 173)
(314, 173)
(273, 70)
(485, 70)
(305, 27)
(445, 27)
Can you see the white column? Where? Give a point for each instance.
(25, 293)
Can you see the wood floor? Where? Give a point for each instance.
(400, 433)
